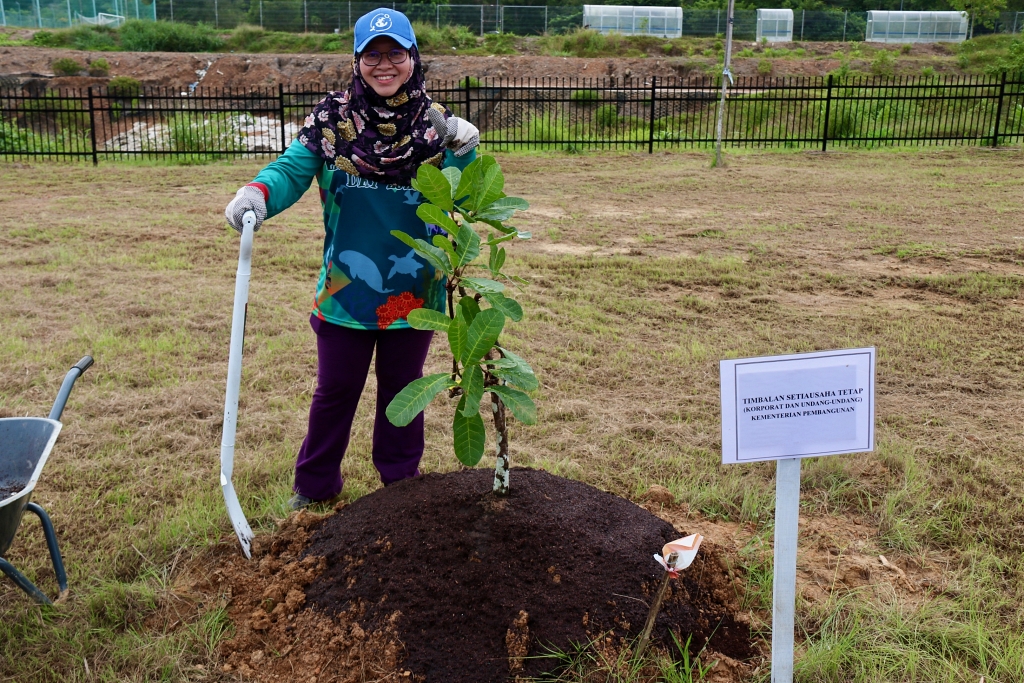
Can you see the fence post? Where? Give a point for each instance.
(845, 15)
(546, 20)
(305, 16)
(468, 118)
(280, 114)
(437, 7)
(803, 18)
(999, 110)
(92, 127)
(261, 13)
(650, 139)
(481, 21)
(216, 14)
(828, 110)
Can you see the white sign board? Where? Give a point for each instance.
(798, 406)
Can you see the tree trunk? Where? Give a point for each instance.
(502, 465)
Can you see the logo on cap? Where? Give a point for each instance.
(380, 22)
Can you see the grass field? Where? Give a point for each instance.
(645, 271)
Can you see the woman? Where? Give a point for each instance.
(364, 146)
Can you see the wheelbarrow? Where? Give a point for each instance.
(25, 444)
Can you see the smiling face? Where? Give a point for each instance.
(385, 78)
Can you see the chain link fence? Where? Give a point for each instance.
(325, 16)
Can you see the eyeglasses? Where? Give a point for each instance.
(396, 56)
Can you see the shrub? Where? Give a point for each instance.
(883, 64)
(607, 115)
(905, 49)
(927, 72)
(66, 66)
(764, 67)
(745, 52)
(500, 43)
(124, 87)
(99, 67)
(432, 39)
(585, 96)
(212, 133)
(164, 36)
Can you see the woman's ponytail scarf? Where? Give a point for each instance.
(374, 137)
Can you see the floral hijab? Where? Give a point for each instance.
(378, 138)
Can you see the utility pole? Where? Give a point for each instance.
(726, 81)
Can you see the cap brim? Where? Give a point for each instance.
(404, 42)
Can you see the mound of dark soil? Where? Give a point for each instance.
(471, 583)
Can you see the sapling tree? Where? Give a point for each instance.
(461, 204)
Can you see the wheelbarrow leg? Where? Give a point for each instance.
(51, 543)
(23, 583)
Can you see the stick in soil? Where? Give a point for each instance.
(645, 637)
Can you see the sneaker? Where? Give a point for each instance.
(299, 502)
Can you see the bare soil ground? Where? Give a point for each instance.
(644, 270)
(178, 70)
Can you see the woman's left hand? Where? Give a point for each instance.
(458, 135)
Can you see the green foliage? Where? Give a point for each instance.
(66, 66)
(764, 67)
(883, 64)
(905, 49)
(463, 203)
(99, 67)
(194, 132)
(124, 87)
(585, 96)
(165, 36)
(607, 115)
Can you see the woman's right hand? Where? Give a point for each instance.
(248, 198)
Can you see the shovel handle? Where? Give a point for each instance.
(65, 389)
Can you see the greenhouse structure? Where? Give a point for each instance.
(916, 27)
(664, 22)
(775, 25)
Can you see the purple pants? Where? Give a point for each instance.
(343, 361)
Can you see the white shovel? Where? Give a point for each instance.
(227, 442)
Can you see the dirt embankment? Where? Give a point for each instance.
(243, 71)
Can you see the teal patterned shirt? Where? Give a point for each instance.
(369, 279)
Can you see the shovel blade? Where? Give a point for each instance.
(238, 521)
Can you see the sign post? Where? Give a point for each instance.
(786, 408)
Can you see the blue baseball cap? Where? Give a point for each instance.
(384, 22)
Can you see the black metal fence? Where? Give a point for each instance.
(818, 112)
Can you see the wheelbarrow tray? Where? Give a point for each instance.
(25, 444)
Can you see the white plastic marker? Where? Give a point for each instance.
(675, 557)
(785, 408)
(685, 549)
(227, 442)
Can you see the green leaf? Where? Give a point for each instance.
(473, 389)
(436, 257)
(458, 336)
(509, 307)
(426, 319)
(499, 226)
(483, 333)
(521, 375)
(469, 308)
(433, 185)
(517, 203)
(483, 285)
(497, 259)
(469, 175)
(500, 363)
(445, 245)
(502, 238)
(453, 175)
(469, 435)
(411, 400)
(523, 234)
(521, 405)
(499, 214)
(488, 186)
(433, 214)
(467, 244)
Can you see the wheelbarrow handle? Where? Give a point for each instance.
(65, 389)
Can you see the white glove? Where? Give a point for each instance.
(458, 135)
(248, 198)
